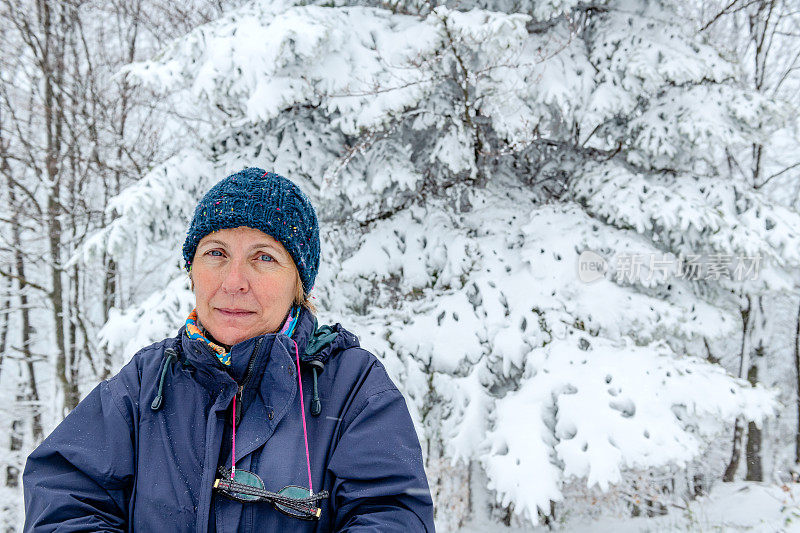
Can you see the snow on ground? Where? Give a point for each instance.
(739, 506)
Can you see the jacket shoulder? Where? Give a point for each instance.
(148, 359)
(126, 385)
(354, 376)
(369, 367)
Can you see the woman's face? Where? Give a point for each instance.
(244, 284)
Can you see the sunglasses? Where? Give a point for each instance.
(293, 501)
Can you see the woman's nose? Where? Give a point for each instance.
(235, 279)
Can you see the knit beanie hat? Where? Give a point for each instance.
(264, 201)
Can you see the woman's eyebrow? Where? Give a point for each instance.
(214, 241)
(253, 247)
(265, 245)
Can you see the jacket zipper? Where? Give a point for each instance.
(245, 380)
(203, 524)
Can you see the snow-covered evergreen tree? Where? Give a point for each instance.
(760, 35)
(466, 162)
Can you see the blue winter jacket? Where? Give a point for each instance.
(122, 462)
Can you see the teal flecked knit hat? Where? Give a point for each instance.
(265, 201)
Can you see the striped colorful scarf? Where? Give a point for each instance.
(194, 331)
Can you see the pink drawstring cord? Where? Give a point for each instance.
(233, 456)
(303, 415)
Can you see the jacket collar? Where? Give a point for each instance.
(213, 374)
(263, 359)
(306, 325)
(269, 393)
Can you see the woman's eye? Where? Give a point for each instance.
(265, 257)
(214, 253)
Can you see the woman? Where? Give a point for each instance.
(203, 431)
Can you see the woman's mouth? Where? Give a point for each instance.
(234, 313)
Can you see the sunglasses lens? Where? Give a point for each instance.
(297, 492)
(251, 480)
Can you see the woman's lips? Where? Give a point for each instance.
(234, 313)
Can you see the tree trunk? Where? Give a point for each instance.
(753, 448)
(109, 300)
(757, 350)
(32, 395)
(4, 319)
(736, 449)
(733, 465)
(15, 441)
(797, 385)
(53, 79)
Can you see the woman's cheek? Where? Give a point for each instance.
(266, 288)
(275, 288)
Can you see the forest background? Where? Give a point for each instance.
(569, 229)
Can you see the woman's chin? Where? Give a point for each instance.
(231, 336)
(230, 332)
(233, 328)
